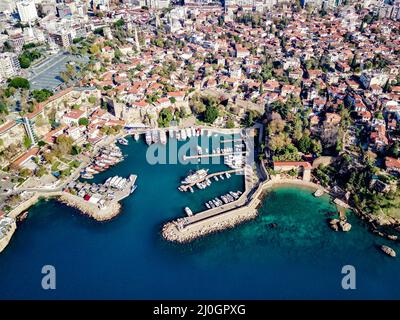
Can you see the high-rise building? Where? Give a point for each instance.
(9, 65)
(158, 4)
(27, 11)
(62, 38)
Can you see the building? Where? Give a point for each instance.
(300, 166)
(62, 38)
(157, 4)
(27, 11)
(9, 65)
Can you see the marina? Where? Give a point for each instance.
(202, 179)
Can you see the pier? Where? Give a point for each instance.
(214, 155)
(184, 187)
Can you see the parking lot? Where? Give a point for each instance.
(46, 75)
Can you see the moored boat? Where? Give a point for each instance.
(388, 250)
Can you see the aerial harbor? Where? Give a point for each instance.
(252, 147)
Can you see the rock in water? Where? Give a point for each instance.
(345, 226)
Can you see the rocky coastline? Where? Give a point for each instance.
(91, 210)
(171, 233)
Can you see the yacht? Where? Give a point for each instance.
(148, 137)
(189, 132)
(122, 141)
(154, 136)
(188, 211)
(183, 134)
(171, 133)
(163, 137)
(197, 176)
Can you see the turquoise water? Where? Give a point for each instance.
(126, 258)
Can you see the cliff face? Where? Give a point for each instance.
(5, 239)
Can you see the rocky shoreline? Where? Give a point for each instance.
(171, 233)
(91, 210)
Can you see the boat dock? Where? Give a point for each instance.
(185, 187)
(214, 155)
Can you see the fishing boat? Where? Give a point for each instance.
(148, 137)
(163, 137)
(22, 216)
(136, 136)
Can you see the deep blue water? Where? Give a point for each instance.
(126, 258)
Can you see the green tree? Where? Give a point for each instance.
(83, 121)
(230, 124)
(19, 83)
(27, 142)
(211, 114)
(164, 118)
(41, 95)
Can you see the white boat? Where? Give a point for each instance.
(215, 178)
(136, 136)
(163, 137)
(197, 176)
(178, 135)
(148, 137)
(87, 175)
(189, 132)
(154, 136)
(183, 134)
(188, 211)
(208, 205)
(209, 133)
(194, 132)
(199, 150)
(228, 175)
(388, 250)
(133, 188)
(191, 189)
(171, 133)
(122, 141)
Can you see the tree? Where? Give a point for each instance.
(41, 95)
(230, 124)
(27, 142)
(41, 171)
(83, 121)
(19, 83)
(304, 144)
(165, 117)
(211, 114)
(250, 118)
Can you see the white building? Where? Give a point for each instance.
(27, 11)
(9, 65)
